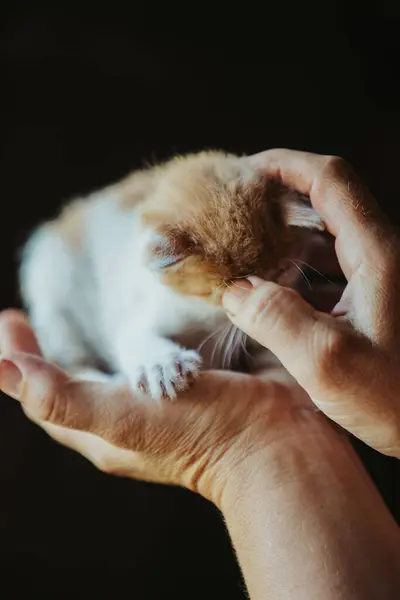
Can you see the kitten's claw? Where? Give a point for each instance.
(164, 377)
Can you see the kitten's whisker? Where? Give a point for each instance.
(209, 337)
(223, 284)
(241, 345)
(244, 347)
(224, 350)
(229, 347)
(220, 344)
(302, 273)
(245, 276)
(235, 346)
(313, 269)
(223, 331)
(239, 286)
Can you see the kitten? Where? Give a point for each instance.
(132, 276)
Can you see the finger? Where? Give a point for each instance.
(325, 179)
(339, 197)
(280, 320)
(16, 334)
(49, 395)
(320, 356)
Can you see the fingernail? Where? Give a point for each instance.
(255, 281)
(235, 295)
(10, 378)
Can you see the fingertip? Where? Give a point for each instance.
(274, 315)
(12, 315)
(235, 295)
(256, 281)
(10, 378)
(50, 395)
(16, 333)
(268, 286)
(35, 376)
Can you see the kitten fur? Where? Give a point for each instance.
(131, 277)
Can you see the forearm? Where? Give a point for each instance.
(306, 522)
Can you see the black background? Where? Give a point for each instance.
(90, 92)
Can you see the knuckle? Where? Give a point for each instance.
(48, 402)
(10, 316)
(330, 355)
(338, 174)
(391, 443)
(336, 167)
(105, 464)
(278, 301)
(9, 313)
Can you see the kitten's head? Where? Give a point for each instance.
(214, 219)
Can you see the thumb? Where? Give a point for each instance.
(49, 395)
(280, 320)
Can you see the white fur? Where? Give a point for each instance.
(99, 301)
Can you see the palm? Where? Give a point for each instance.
(174, 442)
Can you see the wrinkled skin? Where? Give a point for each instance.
(347, 362)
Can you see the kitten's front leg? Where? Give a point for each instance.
(154, 364)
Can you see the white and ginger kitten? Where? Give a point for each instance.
(131, 277)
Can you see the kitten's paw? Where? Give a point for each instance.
(163, 376)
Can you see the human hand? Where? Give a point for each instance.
(198, 441)
(347, 361)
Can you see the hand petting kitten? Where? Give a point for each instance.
(130, 279)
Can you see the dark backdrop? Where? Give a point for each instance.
(88, 94)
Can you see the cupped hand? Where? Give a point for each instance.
(196, 441)
(347, 361)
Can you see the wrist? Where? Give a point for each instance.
(274, 452)
(301, 514)
(295, 456)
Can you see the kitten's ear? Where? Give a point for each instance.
(299, 212)
(167, 250)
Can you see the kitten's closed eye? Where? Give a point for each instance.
(167, 252)
(163, 262)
